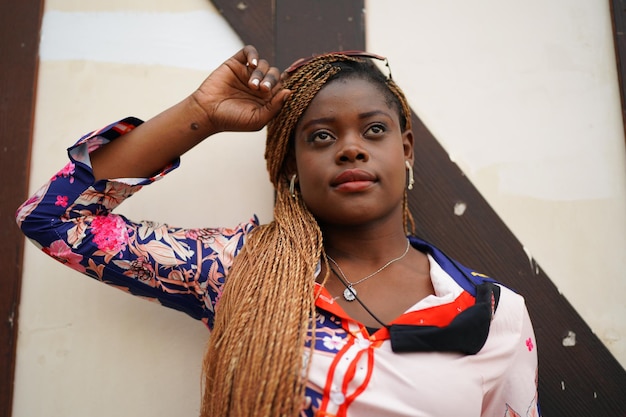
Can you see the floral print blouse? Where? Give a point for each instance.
(354, 371)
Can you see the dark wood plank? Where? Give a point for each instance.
(19, 43)
(253, 21)
(304, 28)
(291, 18)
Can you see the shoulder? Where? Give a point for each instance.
(511, 334)
(511, 309)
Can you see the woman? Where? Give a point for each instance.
(329, 309)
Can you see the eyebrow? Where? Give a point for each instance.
(325, 120)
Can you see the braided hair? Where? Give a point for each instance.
(255, 364)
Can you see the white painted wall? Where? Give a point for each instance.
(523, 95)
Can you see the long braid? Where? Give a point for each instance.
(254, 362)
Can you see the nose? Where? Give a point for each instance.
(352, 149)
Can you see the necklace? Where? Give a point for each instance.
(350, 292)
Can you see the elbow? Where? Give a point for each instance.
(30, 215)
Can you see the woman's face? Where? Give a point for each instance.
(350, 155)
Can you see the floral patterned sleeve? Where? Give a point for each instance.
(70, 218)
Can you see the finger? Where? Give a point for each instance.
(259, 73)
(251, 56)
(271, 80)
(278, 100)
(243, 62)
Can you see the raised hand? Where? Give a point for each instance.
(242, 94)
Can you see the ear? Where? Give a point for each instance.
(290, 166)
(407, 145)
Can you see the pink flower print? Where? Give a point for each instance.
(531, 411)
(111, 197)
(141, 269)
(31, 204)
(94, 142)
(61, 201)
(192, 234)
(333, 342)
(529, 344)
(67, 172)
(510, 412)
(63, 253)
(206, 236)
(110, 233)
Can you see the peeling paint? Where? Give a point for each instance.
(11, 319)
(459, 208)
(530, 256)
(570, 339)
(611, 337)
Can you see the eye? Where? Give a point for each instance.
(320, 136)
(375, 130)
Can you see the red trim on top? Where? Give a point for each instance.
(370, 369)
(331, 372)
(440, 316)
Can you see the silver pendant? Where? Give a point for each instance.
(349, 293)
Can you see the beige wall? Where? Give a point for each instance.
(522, 95)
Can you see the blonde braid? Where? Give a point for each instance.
(407, 217)
(254, 362)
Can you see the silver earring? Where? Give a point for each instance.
(409, 167)
(292, 185)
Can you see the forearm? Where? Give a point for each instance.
(154, 144)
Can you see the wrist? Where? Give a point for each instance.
(199, 119)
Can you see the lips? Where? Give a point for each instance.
(354, 179)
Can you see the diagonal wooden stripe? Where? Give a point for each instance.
(304, 28)
(19, 43)
(253, 22)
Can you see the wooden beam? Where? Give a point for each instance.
(253, 21)
(304, 28)
(20, 24)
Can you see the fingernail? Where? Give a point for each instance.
(268, 84)
(254, 62)
(256, 82)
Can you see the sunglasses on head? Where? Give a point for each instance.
(355, 54)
